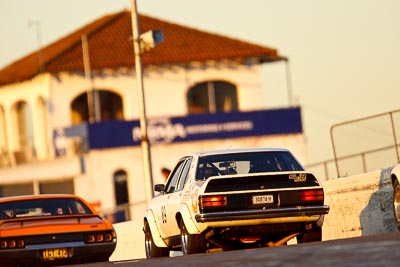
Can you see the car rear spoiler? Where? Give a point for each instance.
(18, 222)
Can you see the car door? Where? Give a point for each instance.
(175, 199)
(171, 201)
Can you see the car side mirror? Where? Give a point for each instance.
(159, 188)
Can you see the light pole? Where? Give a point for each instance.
(289, 83)
(36, 23)
(92, 95)
(142, 109)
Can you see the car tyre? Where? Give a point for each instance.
(152, 250)
(314, 235)
(396, 203)
(192, 243)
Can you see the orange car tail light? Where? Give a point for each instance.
(12, 243)
(213, 201)
(90, 239)
(100, 237)
(108, 237)
(20, 243)
(312, 195)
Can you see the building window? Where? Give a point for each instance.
(57, 187)
(16, 189)
(109, 105)
(121, 187)
(212, 97)
(4, 155)
(23, 132)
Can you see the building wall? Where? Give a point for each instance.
(31, 92)
(165, 90)
(49, 97)
(166, 95)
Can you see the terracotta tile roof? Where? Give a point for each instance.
(111, 46)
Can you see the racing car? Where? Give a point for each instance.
(395, 179)
(52, 229)
(234, 199)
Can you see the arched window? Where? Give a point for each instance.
(3, 131)
(23, 132)
(4, 158)
(110, 106)
(121, 187)
(212, 97)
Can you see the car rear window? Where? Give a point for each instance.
(244, 163)
(42, 207)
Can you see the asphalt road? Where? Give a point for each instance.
(375, 251)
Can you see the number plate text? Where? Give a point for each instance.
(265, 199)
(56, 253)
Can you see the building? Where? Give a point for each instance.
(64, 130)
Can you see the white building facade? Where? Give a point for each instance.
(49, 142)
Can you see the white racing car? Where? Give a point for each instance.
(234, 199)
(395, 178)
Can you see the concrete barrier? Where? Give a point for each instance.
(130, 244)
(359, 205)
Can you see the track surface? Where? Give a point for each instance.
(375, 251)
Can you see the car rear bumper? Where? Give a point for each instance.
(79, 252)
(268, 215)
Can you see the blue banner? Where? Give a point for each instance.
(110, 134)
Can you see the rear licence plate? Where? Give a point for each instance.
(56, 253)
(265, 199)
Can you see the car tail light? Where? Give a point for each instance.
(312, 195)
(12, 243)
(90, 239)
(100, 237)
(20, 243)
(213, 201)
(108, 237)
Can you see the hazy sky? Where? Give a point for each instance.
(344, 54)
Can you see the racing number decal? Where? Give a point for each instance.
(194, 197)
(163, 214)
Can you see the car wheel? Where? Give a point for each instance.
(396, 203)
(314, 235)
(192, 244)
(152, 251)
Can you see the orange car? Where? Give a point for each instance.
(51, 230)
